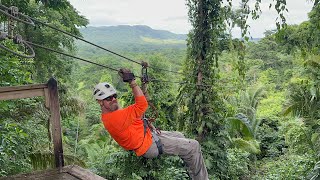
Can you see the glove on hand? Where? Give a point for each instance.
(126, 75)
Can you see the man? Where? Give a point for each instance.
(129, 130)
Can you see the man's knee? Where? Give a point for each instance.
(194, 145)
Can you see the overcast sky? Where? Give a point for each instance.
(172, 15)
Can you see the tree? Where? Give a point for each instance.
(243, 127)
(204, 116)
(19, 71)
(204, 107)
(60, 14)
(305, 89)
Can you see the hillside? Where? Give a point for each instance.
(131, 38)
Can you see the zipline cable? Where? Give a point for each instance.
(112, 52)
(81, 39)
(72, 56)
(155, 68)
(85, 60)
(177, 82)
(65, 54)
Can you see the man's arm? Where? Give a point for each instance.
(136, 90)
(141, 104)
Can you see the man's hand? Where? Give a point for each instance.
(126, 75)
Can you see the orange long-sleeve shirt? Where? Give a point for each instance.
(126, 126)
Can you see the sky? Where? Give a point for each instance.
(172, 15)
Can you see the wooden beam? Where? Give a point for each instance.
(71, 172)
(19, 88)
(21, 94)
(55, 122)
(81, 173)
(17, 92)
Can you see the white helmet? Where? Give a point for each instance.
(103, 90)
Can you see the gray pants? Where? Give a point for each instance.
(175, 143)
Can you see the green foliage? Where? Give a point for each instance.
(315, 172)
(298, 136)
(128, 166)
(46, 160)
(14, 149)
(60, 14)
(286, 167)
(304, 101)
(238, 164)
(271, 106)
(251, 145)
(203, 117)
(163, 94)
(18, 71)
(14, 71)
(271, 138)
(265, 146)
(240, 124)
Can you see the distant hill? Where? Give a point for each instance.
(137, 39)
(132, 38)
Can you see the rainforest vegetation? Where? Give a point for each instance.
(253, 106)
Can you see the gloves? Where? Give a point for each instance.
(126, 75)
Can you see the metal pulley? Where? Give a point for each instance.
(17, 39)
(13, 16)
(144, 72)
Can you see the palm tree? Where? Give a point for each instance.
(243, 126)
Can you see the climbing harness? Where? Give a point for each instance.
(147, 123)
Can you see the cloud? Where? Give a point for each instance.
(172, 15)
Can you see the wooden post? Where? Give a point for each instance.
(55, 122)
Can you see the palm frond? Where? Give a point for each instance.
(315, 174)
(241, 124)
(251, 145)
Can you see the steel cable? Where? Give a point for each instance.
(65, 54)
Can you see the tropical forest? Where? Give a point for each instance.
(253, 104)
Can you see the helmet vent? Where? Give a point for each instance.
(96, 91)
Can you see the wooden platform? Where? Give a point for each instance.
(71, 172)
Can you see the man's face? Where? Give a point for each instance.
(111, 103)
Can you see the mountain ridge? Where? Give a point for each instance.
(137, 38)
(128, 32)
